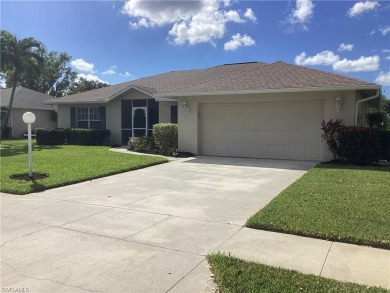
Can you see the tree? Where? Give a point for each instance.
(18, 57)
(83, 85)
(55, 77)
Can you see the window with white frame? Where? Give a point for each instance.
(88, 117)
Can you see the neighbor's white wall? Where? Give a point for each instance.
(44, 119)
(188, 123)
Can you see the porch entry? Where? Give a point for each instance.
(138, 118)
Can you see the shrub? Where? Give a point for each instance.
(50, 136)
(359, 145)
(331, 131)
(73, 136)
(377, 119)
(165, 137)
(7, 133)
(141, 144)
(384, 140)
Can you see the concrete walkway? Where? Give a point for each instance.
(149, 230)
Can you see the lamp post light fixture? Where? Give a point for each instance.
(29, 118)
(186, 107)
(338, 104)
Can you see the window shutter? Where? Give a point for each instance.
(72, 117)
(102, 117)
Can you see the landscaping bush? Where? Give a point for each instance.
(141, 144)
(384, 140)
(359, 145)
(7, 133)
(165, 137)
(72, 136)
(351, 144)
(50, 136)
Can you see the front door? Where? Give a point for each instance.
(140, 121)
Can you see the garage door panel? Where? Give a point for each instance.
(248, 137)
(296, 138)
(265, 109)
(296, 123)
(279, 122)
(264, 122)
(289, 130)
(279, 152)
(264, 151)
(296, 153)
(249, 150)
(221, 149)
(279, 138)
(281, 109)
(221, 123)
(264, 137)
(297, 109)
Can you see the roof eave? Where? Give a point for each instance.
(105, 101)
(268, 91)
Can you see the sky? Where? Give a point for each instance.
(119, 41)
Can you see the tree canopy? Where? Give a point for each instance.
(18, 57)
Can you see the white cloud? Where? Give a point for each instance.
(302, 13)
(361, 7)
(249, 14)
(238, 41)
(126, 74)
(386, 50)
(323, 58)
(82, 65)
(110, 70)
(385, 30)
(193, 22)
(383, 78)
(387, 58)
(370, 63)
(345, 47)
(91, 77)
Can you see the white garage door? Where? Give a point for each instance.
(288, 130)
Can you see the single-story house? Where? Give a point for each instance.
(26, 100)
(250, 109)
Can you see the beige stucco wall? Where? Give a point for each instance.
(44, 119)
(165, 111)
(189, 123)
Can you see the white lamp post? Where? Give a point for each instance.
(29, 118)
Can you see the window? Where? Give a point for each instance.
(174, 114)
(88, 117)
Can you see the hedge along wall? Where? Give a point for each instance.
(75, 136)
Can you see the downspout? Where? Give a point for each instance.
(361, 101)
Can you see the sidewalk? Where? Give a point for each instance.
(340, 261)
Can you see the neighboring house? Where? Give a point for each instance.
(245, 110)
(28, 100)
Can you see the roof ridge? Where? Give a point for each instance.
(219, 77)
(322, 71)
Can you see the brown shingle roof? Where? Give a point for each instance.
(253, 76)
(25, 99)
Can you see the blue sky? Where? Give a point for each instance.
(117, 41)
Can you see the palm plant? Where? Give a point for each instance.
(18, 56)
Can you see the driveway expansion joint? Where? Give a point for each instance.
(326, 257)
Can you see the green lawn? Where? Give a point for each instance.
(234, 275)
(334, 202)
(64, 164)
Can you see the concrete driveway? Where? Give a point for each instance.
(142, 231)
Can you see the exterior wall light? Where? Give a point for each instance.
(186, 107)
(338, 104)
(29, 118)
